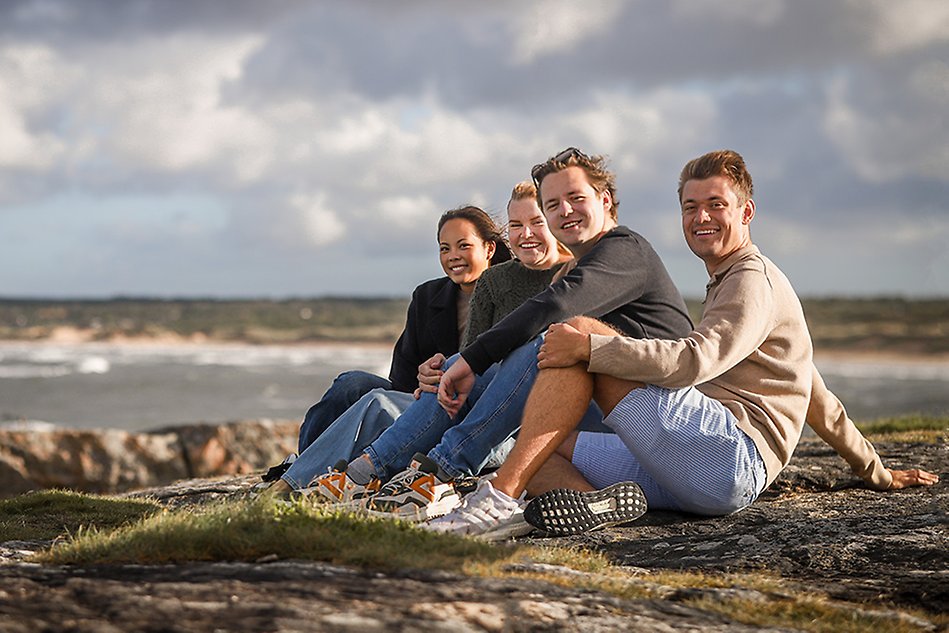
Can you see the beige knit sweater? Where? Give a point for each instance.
(752, 352)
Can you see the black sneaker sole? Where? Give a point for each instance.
(564, 512)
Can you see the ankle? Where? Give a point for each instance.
(506, 486)
(361, 470)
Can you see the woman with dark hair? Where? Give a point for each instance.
(469, 242)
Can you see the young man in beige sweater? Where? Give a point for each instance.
(703, 423)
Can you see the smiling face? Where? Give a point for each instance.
(462, 252)
(577, 214)
(530, 239)
(716, 223)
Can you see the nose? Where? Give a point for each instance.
(702, 215)
(565, 209)
(526, 231)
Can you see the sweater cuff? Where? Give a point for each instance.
(597, 357)
(477, 357)
(879, 478)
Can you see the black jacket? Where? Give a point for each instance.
(431, 326)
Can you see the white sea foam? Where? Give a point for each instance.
(93, 365)
(20, 360)
(34, 371)
(29, 425)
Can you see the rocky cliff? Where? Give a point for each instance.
(36, 456)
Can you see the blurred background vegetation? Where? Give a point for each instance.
(893, 325)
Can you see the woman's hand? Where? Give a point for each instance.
(563, 346)
(914, 477)
(429, 374)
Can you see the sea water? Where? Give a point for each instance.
(136, 387)
(146, 386)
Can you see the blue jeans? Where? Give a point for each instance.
(348, 387)
(481, 436)
(348, 435)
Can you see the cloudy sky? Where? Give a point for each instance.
(274, 149)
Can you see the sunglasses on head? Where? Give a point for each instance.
(539, 169)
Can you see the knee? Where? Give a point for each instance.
(566, 448)
(589, 325)
(356, 383)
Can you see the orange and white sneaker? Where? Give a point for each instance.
(415, 494)
(336, 487)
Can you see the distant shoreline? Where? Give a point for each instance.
(68, 335)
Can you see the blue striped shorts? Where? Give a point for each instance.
(683, 448)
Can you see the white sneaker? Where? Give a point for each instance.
(487, 514)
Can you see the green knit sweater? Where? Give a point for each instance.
(499, 290)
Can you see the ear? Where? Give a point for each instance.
(607, 202)
(492, 246)
(748, 212)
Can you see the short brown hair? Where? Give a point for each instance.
(723, 162)
(601, 179)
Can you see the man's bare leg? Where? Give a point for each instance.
(555, 406)
(557, 472)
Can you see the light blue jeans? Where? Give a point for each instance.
(482, 434)
(348, 435)
(345, 391)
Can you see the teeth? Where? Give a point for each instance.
(569, 225)
(529, 245)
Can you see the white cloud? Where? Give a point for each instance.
(319, 223)
(558, 26)
(361, 132)
(905, 25)
(754, 12)
(883, 143)
(638, 131)
(408, 211)
(18, 147)
(28, 84)
(162, 107)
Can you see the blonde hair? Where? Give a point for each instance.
(523, 189)
(526, 190)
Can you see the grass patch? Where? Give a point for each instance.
(259, 529)
(907, 428)
(251, 530)
(53, 513)
(808, 612)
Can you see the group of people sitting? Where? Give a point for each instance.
(570, 383)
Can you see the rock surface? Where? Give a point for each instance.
(816, 527)
(110, 460)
